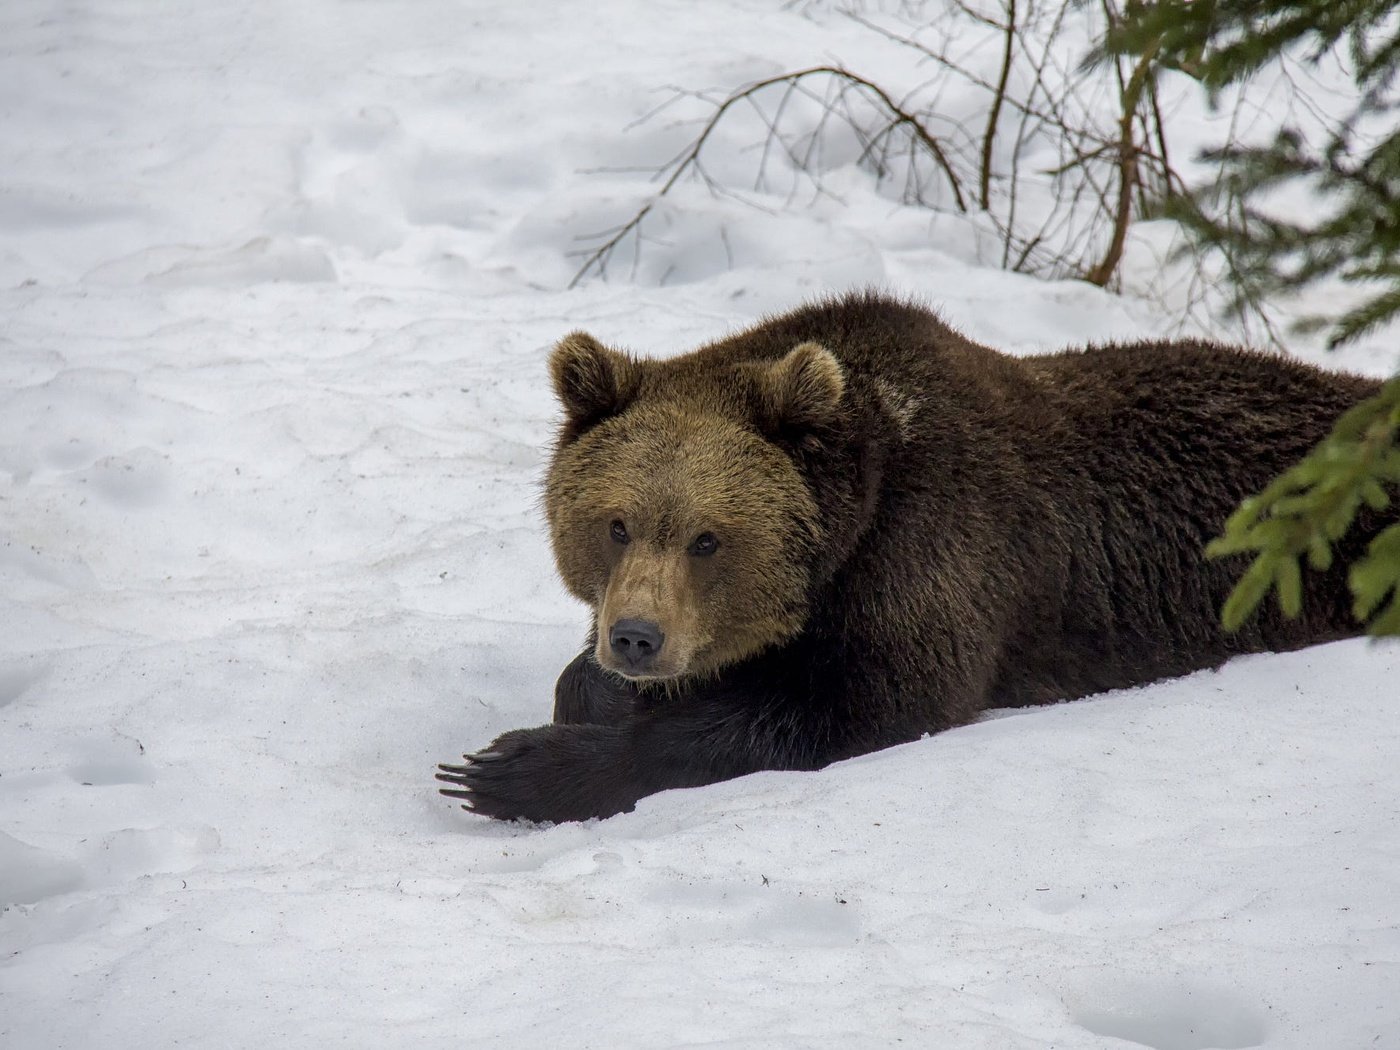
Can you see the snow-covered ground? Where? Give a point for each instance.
(277, 282)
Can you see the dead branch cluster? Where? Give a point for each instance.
(1068, 218)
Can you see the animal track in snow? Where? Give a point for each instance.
(70, 454)
(1171, 1014)
(29, 874)
(107, 772)
(133, 852)
(107, 763)
(139, 478)
(18, 677)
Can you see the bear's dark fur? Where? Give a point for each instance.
(850, 526)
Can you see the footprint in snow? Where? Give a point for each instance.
(133, 480)
(19, 677)
(1169, 1014)
(29, 874)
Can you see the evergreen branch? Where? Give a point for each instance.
(1305, 511)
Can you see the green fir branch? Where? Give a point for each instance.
(1306, 510)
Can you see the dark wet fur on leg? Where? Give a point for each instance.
(586, 694)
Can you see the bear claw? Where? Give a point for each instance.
(461, 778)
(549, 773)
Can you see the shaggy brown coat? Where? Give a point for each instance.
(852, 526)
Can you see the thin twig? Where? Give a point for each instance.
(985, 176)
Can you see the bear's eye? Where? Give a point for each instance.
(618, 532)
(704, 545)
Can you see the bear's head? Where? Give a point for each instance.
(677, 502)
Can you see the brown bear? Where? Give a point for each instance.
(850, 526)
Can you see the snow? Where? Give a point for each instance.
(278, 282)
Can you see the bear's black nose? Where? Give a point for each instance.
(635, 642)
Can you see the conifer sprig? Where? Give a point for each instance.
(1306, 510)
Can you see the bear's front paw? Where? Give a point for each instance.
(555, 773)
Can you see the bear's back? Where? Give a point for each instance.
(1095, 477)
(1160, 442)
(1060, 502)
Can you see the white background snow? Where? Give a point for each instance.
(277, 283)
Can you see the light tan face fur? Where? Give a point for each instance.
(670, 469)
(669, 478)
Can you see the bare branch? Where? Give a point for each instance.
(687, 160)
(1065, 217)
(1127, 169)
(998, 95)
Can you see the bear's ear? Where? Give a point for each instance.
(802, 390)
(591, 381)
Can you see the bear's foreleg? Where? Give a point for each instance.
(587, 695)
(572, 771)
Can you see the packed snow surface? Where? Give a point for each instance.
(277, 283)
